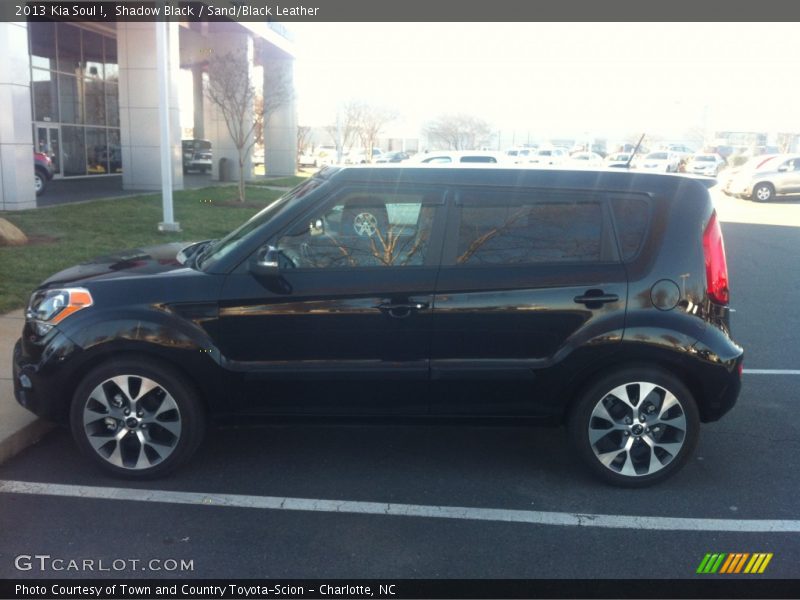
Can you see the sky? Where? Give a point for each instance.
(548, 79)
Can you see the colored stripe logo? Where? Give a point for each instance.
(733, 563)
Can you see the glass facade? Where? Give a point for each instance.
(75, 98)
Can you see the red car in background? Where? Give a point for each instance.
(42, 171)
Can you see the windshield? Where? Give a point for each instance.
(657, 156)
(221, 248)
(704, 158)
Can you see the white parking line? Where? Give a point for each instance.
(771, 372)
(531, 517)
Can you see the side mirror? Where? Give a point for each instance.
(783, 168)
(266, 262)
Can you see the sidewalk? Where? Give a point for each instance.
(18, 427)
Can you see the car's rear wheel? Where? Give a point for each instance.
(136, 419)
(635, 427)
(763, 192)
(39, 182)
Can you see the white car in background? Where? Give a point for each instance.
(545, 157)
(585, 160)
(661, 161)
(458, 157)
(360, 157)
(705, 164)
(618, 159)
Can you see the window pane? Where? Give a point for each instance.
(96, 151)
(43, 45)
(114, 152)
(45, 95)
(93, 55)
(363, 232)
(69, 99)
(529, 233)
(631, 217)
(112, 104)
(95, 101)
(111, 67)
(74, 150)
(69, 49)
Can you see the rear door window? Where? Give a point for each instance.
(631, 219)
(507, 229)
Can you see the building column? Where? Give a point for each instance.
(199, 103)
(138, 106)
(240, 45)
(16, 133)
(280, 130)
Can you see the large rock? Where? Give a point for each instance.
(11, 235)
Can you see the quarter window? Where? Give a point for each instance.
(529, 232)
(363, 230)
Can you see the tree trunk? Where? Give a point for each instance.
(241, 178)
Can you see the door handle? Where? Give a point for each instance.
(596, 298)
(401, 310)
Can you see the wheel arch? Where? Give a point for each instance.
(578, 385)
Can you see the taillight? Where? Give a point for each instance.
(716, 265)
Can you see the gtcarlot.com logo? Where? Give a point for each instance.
(733, 563)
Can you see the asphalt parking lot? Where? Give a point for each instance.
(440, 501)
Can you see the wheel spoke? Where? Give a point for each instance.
(621, 394)
(167, 404)
(669, 401)
(146, 387)
(644, 391)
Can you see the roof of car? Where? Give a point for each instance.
(607, 179)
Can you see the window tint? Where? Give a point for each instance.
(514, 233)
(438, 159)
(363, 230)
(631, 216)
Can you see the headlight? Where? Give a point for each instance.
(49, 307)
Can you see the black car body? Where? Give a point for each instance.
(451, 292)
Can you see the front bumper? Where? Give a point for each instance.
(43, 380)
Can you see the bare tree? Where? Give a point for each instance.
(303, 137)
(373, 120)
(230, 89)
(345, 131)
(459, 132)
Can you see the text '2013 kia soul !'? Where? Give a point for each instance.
(598, 300)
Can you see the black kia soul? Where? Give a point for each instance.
(594, 299)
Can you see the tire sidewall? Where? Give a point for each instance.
(192, 414)
(579, 422)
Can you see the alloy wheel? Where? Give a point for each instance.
(637, 429)
(132, 422)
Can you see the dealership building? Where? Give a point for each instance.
(87, 94)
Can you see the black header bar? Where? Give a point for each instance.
(336, 589)
(404, 11)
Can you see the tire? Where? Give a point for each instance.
(635, 451)
(39, 182)
(763, 192)
(161, 430)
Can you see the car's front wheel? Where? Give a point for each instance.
(763, 192)
(136, 419)
(635, 427)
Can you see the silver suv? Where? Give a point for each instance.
(774, 176)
